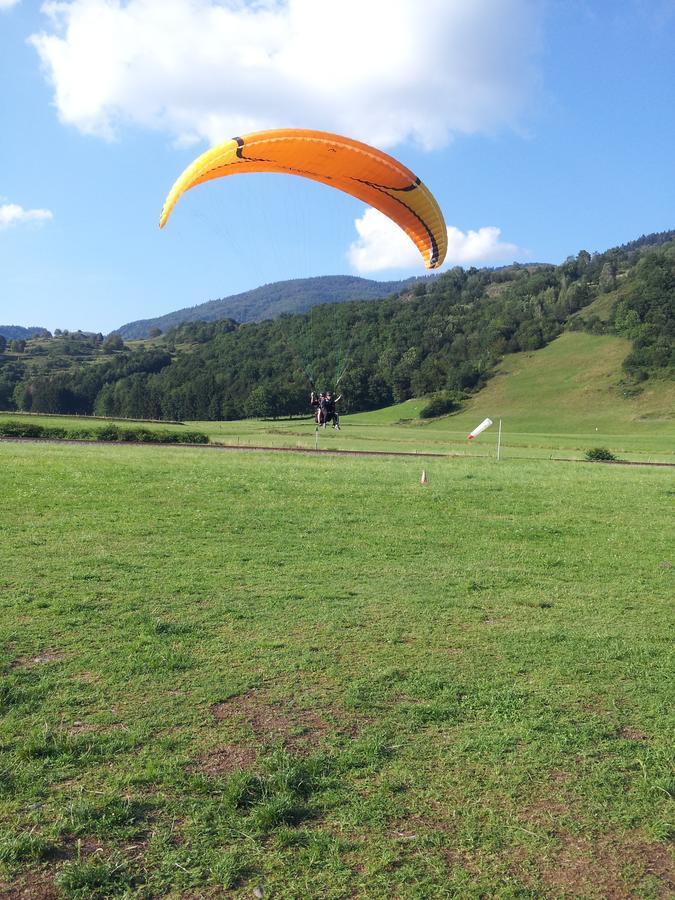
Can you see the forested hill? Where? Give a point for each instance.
(18, 332)
(270, 301)
(443, 337)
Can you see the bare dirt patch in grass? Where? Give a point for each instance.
(177, 838)
(415, 827)
(226, 760)
(632, 734)
(548, 809)
(272, 721)
(469, 860)
(30, 886)
(40, 884)
(47, 656)
(608, 866)
(558, 776)
(82, 728)
(78, 847)
(545, 812)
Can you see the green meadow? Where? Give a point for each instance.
(555, 403)
(292, 676)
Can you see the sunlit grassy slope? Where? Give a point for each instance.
(573, 386)
(570, 386)
(558, 401)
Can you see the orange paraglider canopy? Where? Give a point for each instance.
(340, 162)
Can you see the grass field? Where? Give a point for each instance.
(314, 677)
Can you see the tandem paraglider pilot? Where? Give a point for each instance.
(324, 408)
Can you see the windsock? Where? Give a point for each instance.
(480, 428)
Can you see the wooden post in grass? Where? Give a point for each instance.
(499, 440)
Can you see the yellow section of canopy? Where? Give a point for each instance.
(340, 162)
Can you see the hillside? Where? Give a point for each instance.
(271, 301)
(557, 402)
(18, 332)
(572, 382)
(447, 336)
(563, 398)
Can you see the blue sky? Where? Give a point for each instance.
(541, 127)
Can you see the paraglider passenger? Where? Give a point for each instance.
(328, 411)
(324, 408)
(318, 402)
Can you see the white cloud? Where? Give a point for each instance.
(383, 245)
(11, 214)
(381, 70)
(8, 4)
